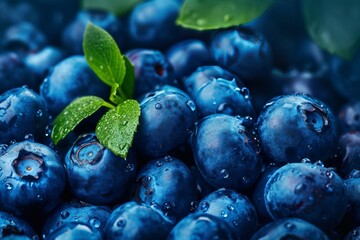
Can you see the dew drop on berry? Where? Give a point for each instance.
(95, 222)
(191, 105)
(64, 214)
(204, 206)
(224, 173)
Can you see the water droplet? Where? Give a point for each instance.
(158, 106)
(225, 108)
(193, 206)
(39, 113)
(3, 148)
(224, 214)
(290, 226)
(8, 186)
(191, 105)
(29, 137)
(231, 207)
(159, 163)
(130, 167)
(201, 21)
(329, 173)
(91, 58)
(224, 173)
(300, 187)
(329, 187)
(306, 160)
(64, 214)
(204, 206)
(168, 158)
(95, 222)
(236, 223)
(245, 179)
(268, 104)
(148, 178)
(319, 163)
(245, 92)
(101, 67)
(121, 223)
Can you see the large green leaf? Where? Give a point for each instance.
(334, 25)
(118, 7)
(117, 127)
(214, 14)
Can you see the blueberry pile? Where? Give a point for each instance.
(250, 132)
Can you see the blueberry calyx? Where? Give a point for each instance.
(314, 117)
(87, 151)
(28, 165)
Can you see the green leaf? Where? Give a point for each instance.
(214, 14)
(103, 55)
(334, 25)
(117, 127)
(118, 7)
(73, 114)
(129, 80)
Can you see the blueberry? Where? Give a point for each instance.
(167, 184)
(24, 37)
(296, 126)
(306, 191)
(243, 51)
(95, 174)
(14, 73)
(291, 229)
(204, 74)
(201, 226)
(151, 24)
(223, 96)
(152, 70)
(69, 79)
(344, 74)
(232, 207)
(75, 231)
(94, 216)
(40, 62)
(132, 221)
(14, 226)
(349, 117)
(23, 114)
(32, 179)
(349, 151)
(257, 195)
(226, 152)
(72, 36)
(166, 120)
(186, 56)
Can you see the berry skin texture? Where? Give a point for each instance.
(22, 114)
(244, 52)
(289, 228)
(306, 191)
(201, 226)
(167, 184)
(75, 231)
(69, 79)
(95, 174)
(32, 179)
(11, 225)
(226, 152)
(134, 221)
(186, 56)
(223, 96)
(152, 70)
(76, 211)
(297, 126)
(233, 208)
(166, 120)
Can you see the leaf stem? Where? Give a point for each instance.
(107, 104)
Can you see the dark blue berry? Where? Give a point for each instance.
(297, 126)
(23, 114)
(233, 208)
(226, 152)
(14, 226)
(349, 152)
(96, 175)
(306, 191)
(134, 221)
(167, 184)
(349, 117)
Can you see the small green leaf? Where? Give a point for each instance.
(129, 80)
(117, 127)
(334, 25)
(103, 55)
(214, 14)
(73, 114)
(118, 7)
